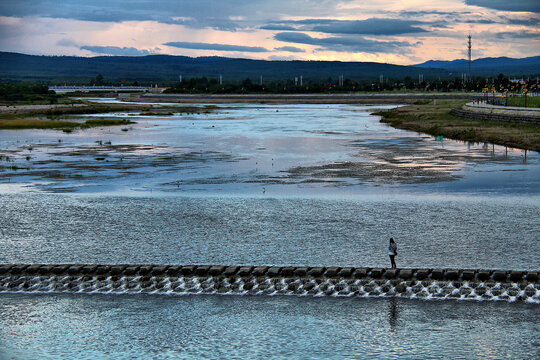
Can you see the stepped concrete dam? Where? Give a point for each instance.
(459, 284)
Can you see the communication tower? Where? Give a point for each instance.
(469, 48)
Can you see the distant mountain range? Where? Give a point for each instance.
(489, 66)
(166, 69)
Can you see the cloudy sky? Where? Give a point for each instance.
(393, 31)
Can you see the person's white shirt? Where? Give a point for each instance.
(392, 248)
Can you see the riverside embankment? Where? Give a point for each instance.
(352, 98)
(272, 280)
(440, 118)
(510, 114)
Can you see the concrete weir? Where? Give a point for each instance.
(272, 280)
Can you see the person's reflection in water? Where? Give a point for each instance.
(393, 314)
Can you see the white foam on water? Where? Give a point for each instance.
(432, 290)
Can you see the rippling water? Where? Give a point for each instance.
(275, 185)
(235, 327)
(472, 232)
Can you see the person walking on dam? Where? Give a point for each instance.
(392, 252)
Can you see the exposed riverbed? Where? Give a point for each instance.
(258, 149)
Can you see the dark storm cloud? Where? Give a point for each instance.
(115, 50)
(198, 14)
(290, 49)
(372, 26)
(411, 13)
(505, 5)
(216, 47)
(279, 27)
(524, 22)
(446, 18)
(344, 43)
(481, 21)
(517, 35)
(309, 21)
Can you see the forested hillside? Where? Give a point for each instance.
(159, 68)
(167, 69)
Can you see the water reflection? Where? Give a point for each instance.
(393, 314)
(296, 150)
(217, 327)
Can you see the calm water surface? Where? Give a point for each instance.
(276, 185)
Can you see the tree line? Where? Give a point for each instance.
(200, 85)
(25, 93)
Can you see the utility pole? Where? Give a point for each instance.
(469, 48)
(301, 80)
(261, 81)
(220, 80)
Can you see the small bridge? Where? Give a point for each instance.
(81, 88)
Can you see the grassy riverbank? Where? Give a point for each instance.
(57, 116)
(37, 116)
(532, 101)
(16, 111)
(67, 126)
(434, 118)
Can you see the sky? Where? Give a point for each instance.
(399, 32)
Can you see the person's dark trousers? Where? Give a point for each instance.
(393, 261)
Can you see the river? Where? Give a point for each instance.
(275, 185)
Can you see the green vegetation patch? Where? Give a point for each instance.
(206, 109)
(105, 122)
(17, 124)
(532, 101)
(24, 94)
(156, 113)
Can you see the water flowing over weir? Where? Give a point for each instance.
(264, 280)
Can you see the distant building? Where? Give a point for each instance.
(518, 81)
